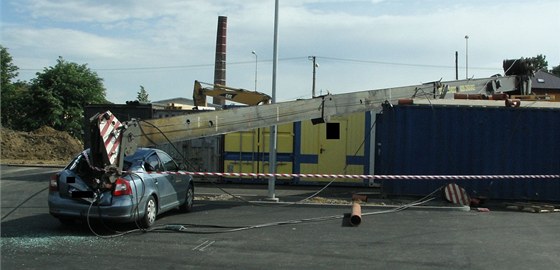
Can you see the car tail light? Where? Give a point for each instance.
(53, 185)
(122, 187)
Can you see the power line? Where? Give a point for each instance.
(175, 67)
(350, 60)
(393, 63)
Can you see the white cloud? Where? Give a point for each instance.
(130, 34)
(89, 10)
(67, 42)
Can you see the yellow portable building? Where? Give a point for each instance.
(340, 146)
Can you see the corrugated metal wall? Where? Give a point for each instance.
(201, 155)
(462, 140)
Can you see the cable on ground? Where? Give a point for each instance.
(188, 228)
(26, 200)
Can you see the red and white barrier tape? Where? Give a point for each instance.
(355, 176)
(363, 176)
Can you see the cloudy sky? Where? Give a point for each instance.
(359, 45)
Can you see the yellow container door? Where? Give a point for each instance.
(332, 147)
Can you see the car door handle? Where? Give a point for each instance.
(156, 181)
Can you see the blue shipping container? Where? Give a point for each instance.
(470, 140)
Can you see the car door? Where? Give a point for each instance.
(164, 188)
(178, 182)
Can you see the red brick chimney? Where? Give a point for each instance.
(220, 64)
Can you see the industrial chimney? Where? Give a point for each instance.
(220, 64)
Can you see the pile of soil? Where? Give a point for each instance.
(42, 146)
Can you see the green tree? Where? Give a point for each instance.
(9, 70)
(9, 93)
(16, 106)
(142, 95)
(539, 62)
(556, 70)
(59, 95)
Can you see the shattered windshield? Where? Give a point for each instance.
(134, 162)
(133, 165)
(80, 162)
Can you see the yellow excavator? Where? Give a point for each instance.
(238, 95)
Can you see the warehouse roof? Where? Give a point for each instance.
(545, 80)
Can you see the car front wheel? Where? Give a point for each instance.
(150, 213)
(189, 200)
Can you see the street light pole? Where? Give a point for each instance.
(256, 67)
(259, 129)
(273, 131)
(467, 56)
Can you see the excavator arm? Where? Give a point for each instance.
(238, 95)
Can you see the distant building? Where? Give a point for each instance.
(175, 106)
(545, 83)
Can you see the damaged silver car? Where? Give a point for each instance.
(151, 185)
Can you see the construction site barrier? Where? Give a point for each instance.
(378, 177)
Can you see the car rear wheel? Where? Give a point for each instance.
(189, 200)
(150, 213)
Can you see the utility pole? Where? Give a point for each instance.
(313, 58)
(467, 56)
(456, 65)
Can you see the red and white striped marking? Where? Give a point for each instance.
(378, 177)
(456, 194)
(110, 132)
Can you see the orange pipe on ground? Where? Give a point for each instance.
(356, 216)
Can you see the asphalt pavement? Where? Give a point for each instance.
(250, 233)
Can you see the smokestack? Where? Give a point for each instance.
(220, 64)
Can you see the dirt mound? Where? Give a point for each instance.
(42, 146)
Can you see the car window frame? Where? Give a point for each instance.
(169, 165)
(148, 166)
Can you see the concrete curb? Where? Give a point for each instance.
(34, 165)
(387, 206)
(369, 206)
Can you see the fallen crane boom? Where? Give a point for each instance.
(319, 109)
